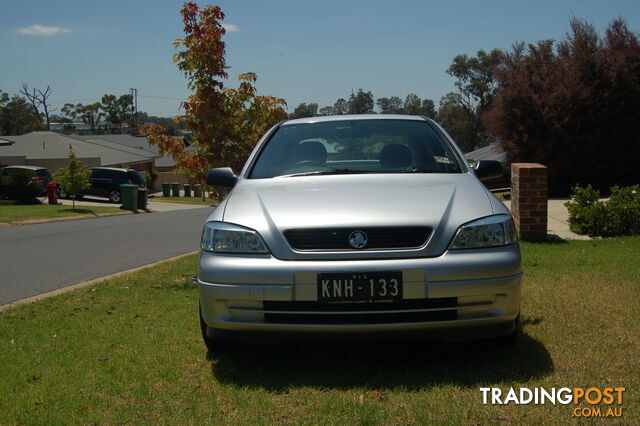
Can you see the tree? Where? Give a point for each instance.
(226, 123)
(327, 110)
(38, 98)
(17, 115)
(573, 106)
(428, 108)
(412, 105)
(251, 116)
(116, 110)
(91, 115)
(305, 110)
(475, 75)
(392, 105)
(476, 85)
(340, 107)
(361, 102)
(457, 121)
(74, 177)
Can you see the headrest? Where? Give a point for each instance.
(395, 156)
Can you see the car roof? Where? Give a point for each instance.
(26, 167)
(351, 117)
(113, 169)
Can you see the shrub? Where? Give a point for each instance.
(620, 215)
(74, 177)
(22, 188)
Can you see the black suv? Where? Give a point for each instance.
(39, 174)
(106, 181)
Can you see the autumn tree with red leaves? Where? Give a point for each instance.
(573, 106)
(226, 123)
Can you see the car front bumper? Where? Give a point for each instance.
(462, 294)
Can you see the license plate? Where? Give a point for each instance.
(365, 287)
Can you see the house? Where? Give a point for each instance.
(50, 150)
(164, 165)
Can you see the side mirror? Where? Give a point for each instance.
(487, 169)
(221, 176)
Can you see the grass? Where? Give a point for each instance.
(129, 350)
(17, 213)
(183, 200)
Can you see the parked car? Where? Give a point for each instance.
(39, 174)
(106, 181)
(358, 226)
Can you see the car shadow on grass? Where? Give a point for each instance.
(411, 365)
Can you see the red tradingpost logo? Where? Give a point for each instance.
(611, 397)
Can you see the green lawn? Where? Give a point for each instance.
(16, 213)
(185, 200)
(129, 350)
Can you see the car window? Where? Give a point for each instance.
(136, 177)
(98, 174)
(43, 173)
(16, 171)
(368, 146)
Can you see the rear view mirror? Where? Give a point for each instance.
(221, 176)
(487, 169)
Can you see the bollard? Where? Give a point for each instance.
(52, 192)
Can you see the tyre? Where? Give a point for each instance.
(114, 196)
(62, 193)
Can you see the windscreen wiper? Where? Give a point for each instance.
(329, 172)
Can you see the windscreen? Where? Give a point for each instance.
(136, 177)
(355, 146)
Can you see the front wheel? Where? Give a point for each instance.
(114, 196)
(62, 193)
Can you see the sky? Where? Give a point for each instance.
(302, 51)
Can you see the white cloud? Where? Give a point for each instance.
(42, 30)
(231, 28)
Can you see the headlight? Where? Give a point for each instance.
(220, 237)
(492, 231)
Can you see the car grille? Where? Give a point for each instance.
(411, 310)
(322, 239)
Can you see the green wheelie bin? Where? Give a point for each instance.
(166, 189)
(175, 189)
(129, 195)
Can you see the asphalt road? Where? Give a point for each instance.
(35, 259)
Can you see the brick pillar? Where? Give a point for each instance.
(529, 200)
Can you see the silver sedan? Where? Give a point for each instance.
(367, 226)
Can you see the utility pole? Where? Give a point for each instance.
(134, 110)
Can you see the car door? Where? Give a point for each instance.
(98, 183)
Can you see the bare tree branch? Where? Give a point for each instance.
(38, 98)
